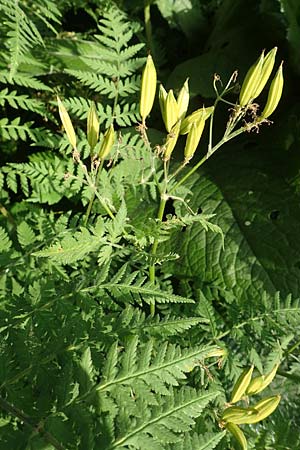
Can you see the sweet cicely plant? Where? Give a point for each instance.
(177, 123)
(245, 116)
(168, 178)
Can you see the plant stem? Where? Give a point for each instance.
(148, 26)
(160, 214)
(36, 428)
(208, 155)
(90, 205)
(151, 155)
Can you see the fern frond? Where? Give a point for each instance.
(111, 71)
(22, 101)
(271, 313)
(136, 289)
(23, 79)
(71, 248)
(15, 130)
(206, 310)
(156, 366)
(46, 178)
(26, 235)
(22, 32)
(173, 415)
(78, 106)
(136, 322)
(126, 114)
(5, 242)
(207, 441)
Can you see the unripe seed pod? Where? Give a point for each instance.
(107, 142)
(269, 377)
(171, 111)
(238, 435)
(258, 384)
(148, 88)
(251, 81)
(92, 126)
(264, 408)
(171, 141)
(255, 385)
(217, 352)
(237, 415)
(183, 100)
(162, 97)
(274, 95)
(241, 385)
(193, 139)
(186, 124)
(67, 124)
(266, 70)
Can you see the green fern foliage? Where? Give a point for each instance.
(124, 322)
(207, 441)
(112, 70)
(21, 27)
(5, 242)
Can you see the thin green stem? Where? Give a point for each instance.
(290, 350)
(186, 176)
(177, 171)
(208, 155)
(148, 25)
(95, 194)
(218, 99)
(160, 214)
(145, 138)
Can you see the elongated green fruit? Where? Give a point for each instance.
(193, 139)
(274, 95)
(266, 70)
(237, 415)
(148, 88)
(92, 126)
(107, 142)
(217, 352)
(67, 124)
(251, 81)
(162, 97)
(269, 377)
(171, 141)
(255, 385)
(171, 111)
(183, 100)
(187, 123)
(258, 384)
(264, 408)
(238, 435)
(241, 385)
